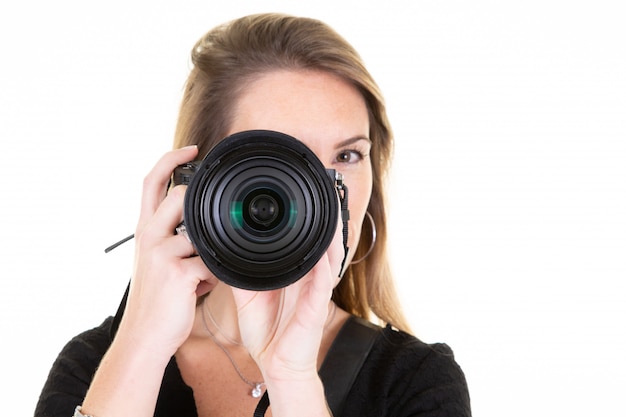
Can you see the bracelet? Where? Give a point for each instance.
(77, 412)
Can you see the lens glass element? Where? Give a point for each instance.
(263, 209)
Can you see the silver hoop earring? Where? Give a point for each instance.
(371, 219)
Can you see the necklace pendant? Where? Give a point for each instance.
(257, 391)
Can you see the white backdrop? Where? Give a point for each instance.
(508, 196)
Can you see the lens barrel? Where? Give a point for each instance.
(260, 209)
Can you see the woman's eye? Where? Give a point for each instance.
(349, 156)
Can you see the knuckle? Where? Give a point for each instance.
(149, 182)
(178, 191)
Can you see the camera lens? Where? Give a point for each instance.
(261, 210)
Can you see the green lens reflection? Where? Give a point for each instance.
(236, 214)
(293, 213)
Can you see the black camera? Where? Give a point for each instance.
(261, 209)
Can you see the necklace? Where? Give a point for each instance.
(257, 387)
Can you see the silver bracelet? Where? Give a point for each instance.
(77, 412)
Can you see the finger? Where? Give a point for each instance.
(191, 276)
(195, 267)
(262, 304)
(314, 294)
(155, 183)
(329, 263)
(176, 246)
(315, 289)
(259, 314)
(169, 214)
(161, 226)
(205, 287)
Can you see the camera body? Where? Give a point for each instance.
(261, 209)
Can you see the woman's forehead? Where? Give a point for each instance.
(314, 106)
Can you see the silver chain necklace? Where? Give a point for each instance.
(257, 387)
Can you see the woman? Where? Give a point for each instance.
(188, 344)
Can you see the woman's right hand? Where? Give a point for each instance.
(167, 278)
(161, 303)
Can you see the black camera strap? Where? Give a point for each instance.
(342, 192)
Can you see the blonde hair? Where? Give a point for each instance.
(230, 57)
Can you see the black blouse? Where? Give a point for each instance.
(402, 376)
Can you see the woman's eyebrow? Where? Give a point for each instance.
(352, 140)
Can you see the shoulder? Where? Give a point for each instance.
(85, 350)
(403, 350)
(411, 378)
(72, 371)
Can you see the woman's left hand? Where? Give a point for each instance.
(282, 329)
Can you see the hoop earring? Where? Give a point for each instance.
(371, 219)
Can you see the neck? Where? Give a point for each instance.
(221, 315)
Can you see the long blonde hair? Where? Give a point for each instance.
(229, 58)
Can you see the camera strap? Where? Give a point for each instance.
(342, 192)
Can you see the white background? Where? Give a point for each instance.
(508, 196)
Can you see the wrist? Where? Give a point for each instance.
(298, 397)
(140, 342)
(137, 352)
(127, 381)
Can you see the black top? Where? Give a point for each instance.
(402, 376)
